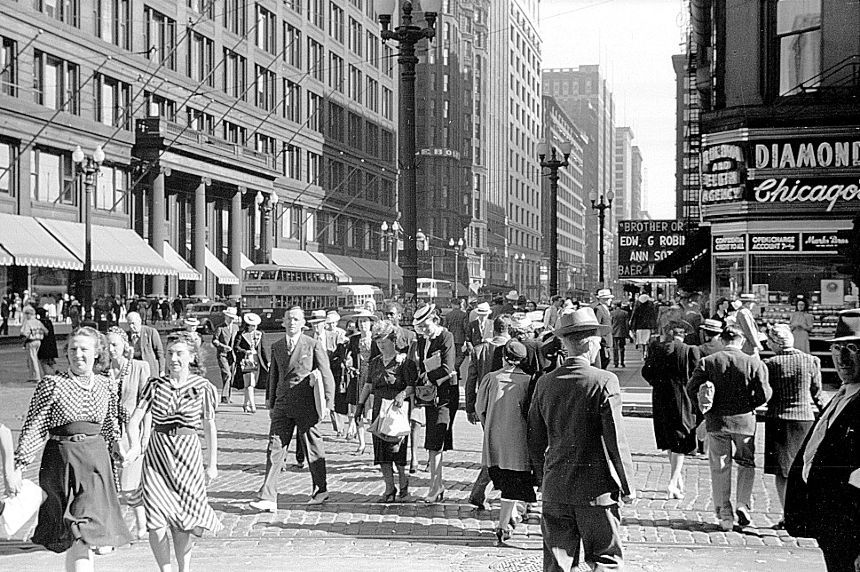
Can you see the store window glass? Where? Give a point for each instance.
(798, 34)
(729, 275)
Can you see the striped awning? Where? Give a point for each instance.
(115, 250)
(185, 271)
(295, 259)
(24, 242)
(221, 272)
(342, 276)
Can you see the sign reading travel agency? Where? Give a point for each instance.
(643, 243)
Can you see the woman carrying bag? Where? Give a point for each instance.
(390, 378)
(252, 361)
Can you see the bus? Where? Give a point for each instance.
(352, 297)
(438, 292)
(269, 290)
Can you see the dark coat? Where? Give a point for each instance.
(667, 369)
(475, 334)
(577, 444)
(620, 323)
(289, 392)
(151, 350)
(242, 344)
(644, 317)
(456, 322)
(48, 348)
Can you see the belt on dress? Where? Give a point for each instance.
(174, 429)
(73, 438)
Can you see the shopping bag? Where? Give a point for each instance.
(19, 509)
(394, 420)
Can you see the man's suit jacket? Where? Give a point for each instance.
(605, 319)
(480, 365)
(620, 323)
(223, 340)
(826, 505)
(456, 322)
(577, 443)
(152, 350)
(290, 393)
(475, 333)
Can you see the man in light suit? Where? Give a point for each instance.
(579, 452)
(604, 317)
(298, 363)
(223, 339)
(146, 344)
(823, 494)
(481, 328)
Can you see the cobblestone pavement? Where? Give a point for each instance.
(660, 534)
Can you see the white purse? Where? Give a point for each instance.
(20, 508)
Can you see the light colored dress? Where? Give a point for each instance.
(801, 324)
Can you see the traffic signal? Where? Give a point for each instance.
(850, 252)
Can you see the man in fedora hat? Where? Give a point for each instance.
(740, 386)
(222, 340)
(481, 328)
(579, 452)
(456, 322)
(509, 306)
(604, 316)
(823, 494)
(711, 330)
(746, 322)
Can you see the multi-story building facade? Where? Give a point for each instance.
(206, 111)
(623, 203)
(571, 202)
(584, 95)
(513, 205)
(636, 181)
(687, 138)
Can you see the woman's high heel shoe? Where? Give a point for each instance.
(502, 535)
(360, 451)
(439, 497)
(674, 492)
(388, 497)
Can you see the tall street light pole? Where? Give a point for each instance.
(457, 246)
(267, 205)
(390, 232)
(89, 167)
(407, 35)
(554, 163)
(601, 203)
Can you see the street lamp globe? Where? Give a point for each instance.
(460, 242)
(384, 226)
(609, 196)
(78, 155)
(542, 149)
(592, 196)
(99, 155)
(384, 7)
(451, 242)
(395, 226)
(273, 198)
(566, 148)
(258, 198)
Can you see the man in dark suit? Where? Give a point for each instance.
(456, 322)
(481, 328)
(823, 494)
(298, 364)
(146, 344)
(223, 339)
(601, 310)
(579, 452)
(740, 385)
(620, 332)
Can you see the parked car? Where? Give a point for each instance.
(210, 315)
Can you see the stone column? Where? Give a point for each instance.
(235, 246)
(159, 230)
(198, 235)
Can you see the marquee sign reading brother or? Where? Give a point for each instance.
(643, 243)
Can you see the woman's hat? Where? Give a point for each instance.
(781, 334)
(230, 312)
(581, 320)
(251, 319)
(848, 326)
(332, 317)
(513, 296)
(191, 322)
(515, 351)
(317, 316)
(382, 329)
(643, 298)
(483, 309)
(364, 315)
(714, 326)
(422, 313)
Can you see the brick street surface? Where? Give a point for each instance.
(351, 530)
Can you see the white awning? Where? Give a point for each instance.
(295, 259)
(115, 250)
(221, 272)
(24, 242)
(185, 270)
(342, 276)
(245, 261)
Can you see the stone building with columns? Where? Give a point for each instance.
(234, 132)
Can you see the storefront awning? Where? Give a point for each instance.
(185, 271)
(26, 243)
(245, 261)
(696, 245)
(342, 276)
(115, 250)
(221, 272)
(378, 269)
(356, 273)
(295, 259)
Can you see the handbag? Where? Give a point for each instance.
(19, 509)
(394, 420)
(248, 365)
(426, 395)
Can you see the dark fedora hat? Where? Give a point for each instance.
(848, 326)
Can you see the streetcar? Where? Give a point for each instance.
(352, 297)
(269, 290)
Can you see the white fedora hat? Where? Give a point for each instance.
(582, 320)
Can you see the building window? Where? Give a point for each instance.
(265, 92)
(8, 67)
(388, 60)
(292, 45)
(314, 110)
(159, 106)
(355, 84)
(387, 138)
(314, 161)
(355, 123)
(56, 83)
(234, 16)
(356, 37)
(335, 22)
(200, 121)
(205, 8)
(373, 49)
(292, 101)
(112, 102)
(234, 133)
(371, 139)
(292, 162)
(387, 103)
(264, 33)
(235, 71)
(265, 144)
(160, 34)
(67, 11)
(372, 97)
(316, 67)
(316, 16)
(335, 72)
(8, 163)
(294, 5)
(51, 178)
(111, 189)
(201, 59)
(113, 22)
(798, 37)
(335, 121)
(295, 218)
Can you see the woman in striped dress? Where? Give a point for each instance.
(174, 479)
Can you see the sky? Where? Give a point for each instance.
(633, 42)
